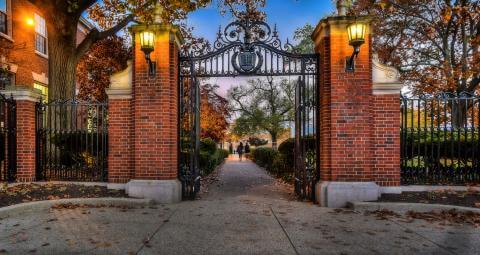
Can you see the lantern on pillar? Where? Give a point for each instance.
(147, 44)
(356, 38)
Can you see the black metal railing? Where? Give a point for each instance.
(8, 139)
(72, 141)
(440, 139)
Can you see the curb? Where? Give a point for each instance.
(32, 207)
(405, 207)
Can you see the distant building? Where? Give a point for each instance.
(24, 39)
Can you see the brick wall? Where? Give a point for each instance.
(386, 117)
(25, 141)
(155, 104)
(120, 155)
(359, 131)
(24, 54)
(346, 113)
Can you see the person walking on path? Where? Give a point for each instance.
(247, 148)
(240, 150)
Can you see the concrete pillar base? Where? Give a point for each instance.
(338, 194)
(161, 191)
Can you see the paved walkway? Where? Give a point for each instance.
(244, 212)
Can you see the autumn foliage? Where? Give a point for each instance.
(214, 113)
(105, 58)
(434, 43)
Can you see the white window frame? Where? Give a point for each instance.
(6, 12)
(42, 33)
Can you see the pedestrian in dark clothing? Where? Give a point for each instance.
(230, 148)
(247, 148)
(240, 150)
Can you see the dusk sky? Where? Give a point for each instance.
(288, 15)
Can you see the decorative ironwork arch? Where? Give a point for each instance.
(249, 48)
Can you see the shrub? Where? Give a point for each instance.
(208, 145)
(77, 148)
(208, 161)
(264, 157)
(287, 151)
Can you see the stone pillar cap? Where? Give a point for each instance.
(386, 79)
(24, 93)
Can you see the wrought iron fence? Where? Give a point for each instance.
(72, 141)
(440, 139)
(8, 139)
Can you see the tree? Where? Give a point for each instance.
(62, 19)
(105, 58)
(214, 113)
(255, 141)
(243, 9)
(263, 106)
(303, 36)
(434, 43)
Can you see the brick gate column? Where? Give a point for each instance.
(120, 129)
(26, 99)
(352, 122)
(155, 117)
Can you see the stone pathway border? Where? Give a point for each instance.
(405, 207)
(32, 207)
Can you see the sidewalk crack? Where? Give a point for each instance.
(156, 231)
(284, 231)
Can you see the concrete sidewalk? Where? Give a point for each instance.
(244, 212)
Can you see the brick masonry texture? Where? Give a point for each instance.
(155, 109)
(387, 139)
(23, 53)
(120, 130)
(25, 141)
(359, 132)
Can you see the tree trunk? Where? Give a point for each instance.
(62, 72)
(62, 57)
(274, 140)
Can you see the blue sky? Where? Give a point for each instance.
(287, 14)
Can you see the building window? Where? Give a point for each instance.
(43, 88)
(3, 17)
(40, 34)
(6, 78)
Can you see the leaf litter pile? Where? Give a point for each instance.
(446, 217)
(468, 198)
(23, 193)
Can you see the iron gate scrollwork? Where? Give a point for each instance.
(248, 48)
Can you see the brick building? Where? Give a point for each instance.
(24, 44)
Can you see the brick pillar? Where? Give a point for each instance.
(120, 130)
(155, 116)
(386, 117)
(26, 99)
(349, 140)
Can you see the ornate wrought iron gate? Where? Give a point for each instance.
(248, 49)
(8, 139)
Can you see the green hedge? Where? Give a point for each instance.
(280, 163)
(264, 157)
(210, 156)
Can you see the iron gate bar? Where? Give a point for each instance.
(8, 139)
(72, 142)
(249, 48)
(440, 139)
